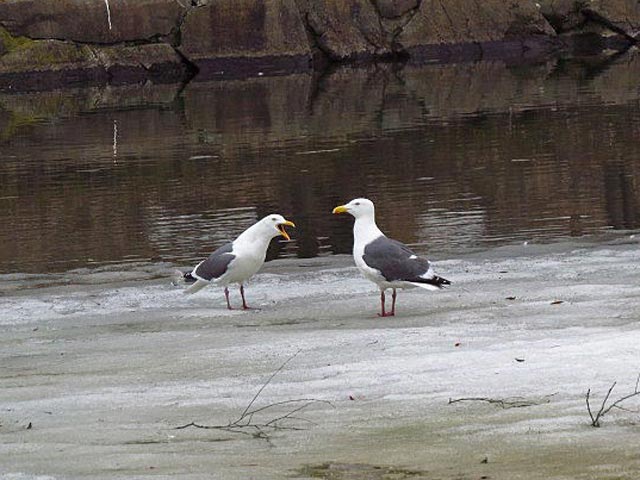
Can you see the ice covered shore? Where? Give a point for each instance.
(104, 364)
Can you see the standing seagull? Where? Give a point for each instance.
(386, 262)
(239, 260)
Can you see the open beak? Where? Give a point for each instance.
(340, 209)
(283, 232)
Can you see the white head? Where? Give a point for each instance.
(273, 225)
(358, 207)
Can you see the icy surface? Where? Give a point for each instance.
(105, 364)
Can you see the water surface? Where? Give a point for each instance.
(456, 157)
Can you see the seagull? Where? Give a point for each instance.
(386, 262)
(239, 260)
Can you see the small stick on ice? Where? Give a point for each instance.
(245, 423)
(604, 409)
(115, 139)
(514, 402)
(106, 2)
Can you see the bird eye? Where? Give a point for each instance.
(357, 203)
(274, 219)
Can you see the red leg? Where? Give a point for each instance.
(393, 303)
(244, 302)
(382, 301)
(226, 295)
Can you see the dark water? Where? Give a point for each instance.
(457, 157)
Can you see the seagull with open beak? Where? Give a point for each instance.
(239, 260)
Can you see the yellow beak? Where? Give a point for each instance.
(283, 232)
(340, 209)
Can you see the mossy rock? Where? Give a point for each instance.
(88, 21)
(8, 42)
(11, 122)
(44, 55)
(22, 54)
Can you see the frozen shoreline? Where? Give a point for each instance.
(105, 367)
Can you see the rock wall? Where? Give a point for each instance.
(89, 21)
(615, 16)
(123, 41)
(245, 34)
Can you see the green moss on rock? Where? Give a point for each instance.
(11, 122)
(46, 55)
(9, 43)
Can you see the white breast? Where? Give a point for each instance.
(249, 258)
(363, 234)
(369, 273)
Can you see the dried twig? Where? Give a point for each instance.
(246, 425)
(514, 402)
(267, 383)
(106, 2)
(604, 408)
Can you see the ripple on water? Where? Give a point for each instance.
(457, 158)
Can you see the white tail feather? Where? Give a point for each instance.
(196, 287)
(426, 286)
(178, 278)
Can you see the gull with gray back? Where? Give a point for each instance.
(239, 260)
(386, 262)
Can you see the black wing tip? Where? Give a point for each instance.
(188, 278)
(436, 281)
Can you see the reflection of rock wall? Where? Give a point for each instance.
(167, 40)
(258, 111)
(245, 111)
(121, 171)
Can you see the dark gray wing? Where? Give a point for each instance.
(216, 265)
(395, 261)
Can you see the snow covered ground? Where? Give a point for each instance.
(100, 366)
